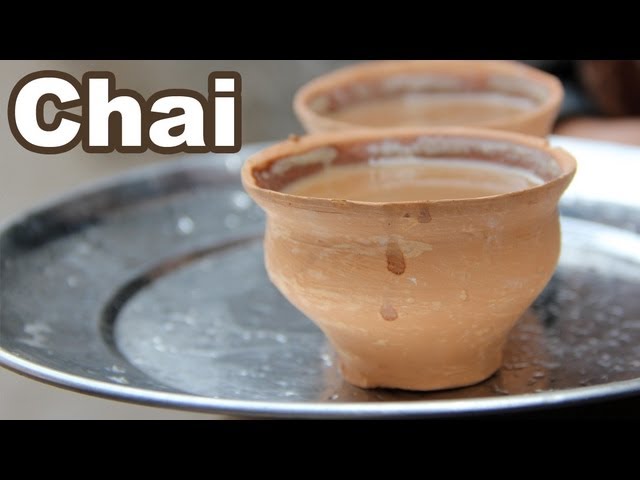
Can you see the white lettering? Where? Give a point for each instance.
(26, 117)
(100, 109)
(192, 119)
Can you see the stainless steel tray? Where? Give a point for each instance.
(150, 288)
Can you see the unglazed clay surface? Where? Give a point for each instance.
(416, 295)
(415, 109)
(494, 94)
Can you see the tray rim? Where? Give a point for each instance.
(253, 408)
(317, 409)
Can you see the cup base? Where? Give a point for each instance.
(415, 381)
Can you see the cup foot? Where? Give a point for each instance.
(417, 381)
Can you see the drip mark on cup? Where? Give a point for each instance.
(395, 258)
(388, 313)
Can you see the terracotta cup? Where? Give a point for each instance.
(415, 295)
(457, 82)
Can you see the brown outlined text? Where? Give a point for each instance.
(170, 121)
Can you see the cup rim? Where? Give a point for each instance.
(381, 68)
(300, 145)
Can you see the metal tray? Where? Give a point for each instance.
(150, 288)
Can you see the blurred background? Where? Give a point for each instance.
(601, 100)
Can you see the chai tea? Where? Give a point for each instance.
(414, 179)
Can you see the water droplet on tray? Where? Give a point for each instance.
(241, 200)
(185, 225)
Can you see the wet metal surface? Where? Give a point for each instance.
(152, 289)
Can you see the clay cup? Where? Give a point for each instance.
(414, 295)
(455, 81)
